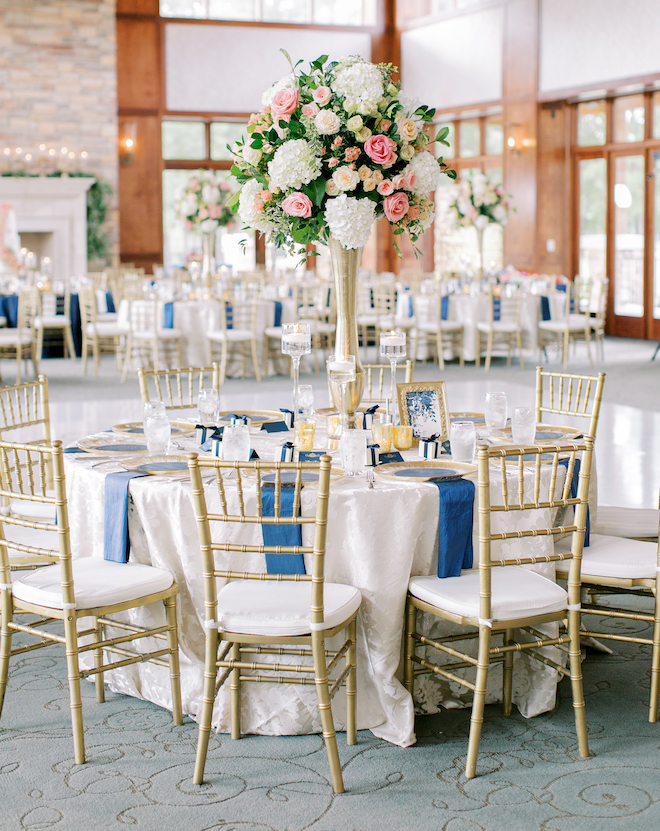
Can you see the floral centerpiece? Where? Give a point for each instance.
(480, 202)
(334, 149)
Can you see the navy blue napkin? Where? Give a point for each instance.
(545, 308)
(274, 427)
(561, 287)
(110, 303)
(497, 304)
(168, 315)
(277, 319)
(229, 316)
(444, 307)
(116, 545)
(389, 458)
(454, 525)
(574, 490)
(285, 535)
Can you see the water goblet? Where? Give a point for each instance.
(462, 440)
(495, 411)
(353, 447)
(157, 432)
(236, 443)
(341, 370)
(392, 347)
(154, 409)
(296, 342)
(207, 406)
(523, 425)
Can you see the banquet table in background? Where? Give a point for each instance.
(377, 539)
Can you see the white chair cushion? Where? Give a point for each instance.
(52, 321)
(515, 593)
(106, 329)
(614, 557)
(269, 608)
(444, 325)
(230, 335)
(3, 320)
(97, 583)
(628, 522)
(320, 327)
(273, 331)
(498, 326)
(366, 320)
(12, 337)
(161, 334)
(562, 325)
(107, 317)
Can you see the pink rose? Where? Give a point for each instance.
(215, 211)
(189, 225)
(284, 102)
(414, 212)
(409, 180)
(258, 205)
(385, 125)
(380, 149)
(333, 162)
(396, 206)
(194, 183)
(352, 153)
(310, 110)
(231, 225)
(322, 95)
(297, 205)
(265, 196)
(385, 188)
(337, 141)
(397, 181)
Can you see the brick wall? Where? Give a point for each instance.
(58, 88)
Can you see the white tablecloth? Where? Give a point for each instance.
(377, 539)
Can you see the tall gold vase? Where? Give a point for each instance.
(208, 259)
(345, 267)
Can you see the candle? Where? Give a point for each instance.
(295, 339)
(341, 366)
(392, 339)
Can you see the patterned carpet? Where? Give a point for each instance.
(139, 766)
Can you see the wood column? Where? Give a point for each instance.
(140, 100)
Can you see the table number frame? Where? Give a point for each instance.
(423, 406)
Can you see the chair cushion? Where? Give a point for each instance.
(563, 325)
(11, 337)
(52, 321)
(161, 334)
(515, 593)
(614, 557)
(443, 325)
(269, 608)
(320, 327)
(230, 335)
(3, 320)
(498, 326)
(273, 331)
(628, 522)
(107, 317)
(97, 583)
(106, 329)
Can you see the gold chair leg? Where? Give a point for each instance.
(409, 646)
(255, 360)
(68, 342)
(489, 351)
(208, 699)
(5, 644)
(460, 341)
(75, 701)
(655, 663)
(520, 354)
(575, 663)
(507, 675)
(36, 356)
(441, 357)
(98, 663)
(223, 362)
(127, 358)
(477, 719)
(477, 355)
(325, 711)
(19, 356)
(173, 645)
(565, 349)
(85, 348)
(235, 693)
(351, 686)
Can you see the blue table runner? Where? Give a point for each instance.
(286, 535)
(116, 544)
(455, 550)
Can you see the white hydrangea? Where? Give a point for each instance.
(286, 82)
(408, 106)
(428, 171)
(350, 219)
(360, 81)
(246, 209)
(293, 165)
(208, 225)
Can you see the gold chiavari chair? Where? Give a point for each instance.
(503, 327)
(147, 339)
(577, 396)
(21, 342)
(572, 327)
(178, 389)
(236, 328)
(270, 614)
(517, 503)
(98, 279)
(377, 381)
(445, 333)
(55, 316)
(65, 591)
(100, 336)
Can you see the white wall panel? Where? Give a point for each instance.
(226, 68)
(587, 42)
(456, 61)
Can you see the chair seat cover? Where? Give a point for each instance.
(367, 320)
(221, 335)
(281, 608)
(396, 322)
(628, 522)
(52, 322)
(97, 583)
(443, 326)
(106, 329)
(563, 325)
(515, 593)
(107, 317)
(321, 327)
(161, 334)
(503, 326)
(15, 337)
(614, 557)
(273, 331)
(3, 320)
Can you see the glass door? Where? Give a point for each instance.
(592, 218)
(655, 185)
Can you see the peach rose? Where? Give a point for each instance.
(322, 95)
(297, 204)
(385, 188)
(330, 188)
(408, 130)
(396, 206)
(364, 172)
(377, 176)
(337, 141)
(380, 149)
(385, 125)
(352, 153)
(284, 102)
(265, 196)
(310, 110)
(414, 212)
(397, 181)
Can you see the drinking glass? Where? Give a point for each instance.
(353, 448)
(462, 440)
(207, 406)
(303, 434)
(341, 370)
(236, 443)
(157, 431)
(306, 400)
(523, 425)
(495, 411)
(296, 342)
(392, 347)
(382, 435)
(154, 409)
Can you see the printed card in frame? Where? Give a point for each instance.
(424, 406)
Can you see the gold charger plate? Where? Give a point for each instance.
(425, 470)
(476, 418)
(545, 433)
(255, 416)
(136, 428)
(112, 445)
(156, 465)
(308, 476)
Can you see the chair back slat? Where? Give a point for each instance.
(178, 389)
(377, 381)
(561, 393)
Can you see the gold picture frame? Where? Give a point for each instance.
(423, 406)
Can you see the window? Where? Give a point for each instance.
(329, 12)
(469, 138)
(592, 123)
(656, 115)
(222, 134)
(628, 114)
(440, 149)
(184, 140)
(494, 136)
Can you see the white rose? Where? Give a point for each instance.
(327, 122)
(251, 154)
(355, 123)
(331, 189)
(408, 130)
(407, 152)
(345, 178)
(366, 108)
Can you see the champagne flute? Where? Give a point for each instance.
(392, 347)
(296, 342)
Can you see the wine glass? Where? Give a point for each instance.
(341, 370)
(392, 347)
(296, 342)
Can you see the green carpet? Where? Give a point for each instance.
(139, 767)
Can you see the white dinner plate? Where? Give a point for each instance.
(425, 470)
(112, 444)
(136, 428)
(156, 465)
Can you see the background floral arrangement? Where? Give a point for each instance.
(479, 202)
(331, 151)
(203, 205)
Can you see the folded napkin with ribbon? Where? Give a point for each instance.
(234, 418)
(430, 447)
(285, 535)
(574, 489)
(545, 308)
(373, 455)
(116, 544)
(368, 417)
(454, 525)
(211, 436)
